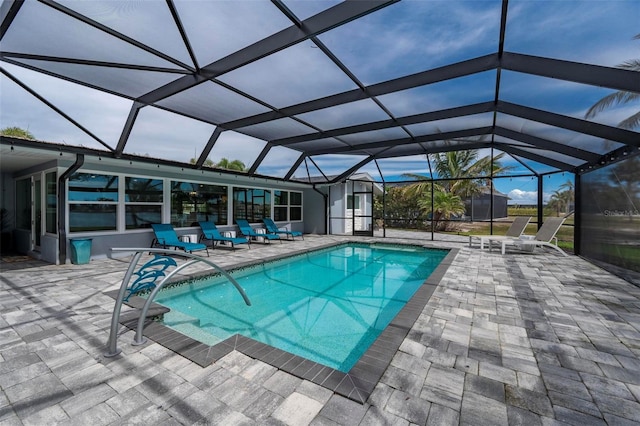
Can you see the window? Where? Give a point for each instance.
(353, 200)
(251, 204)
(287, 206)
(92, 187)
(280, 205)
(143, 202)
(295, 209)
(195, 202)
(93, 202)
(51, 203)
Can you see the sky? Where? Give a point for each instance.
(404, 38)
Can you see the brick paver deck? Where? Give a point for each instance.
(532, 339)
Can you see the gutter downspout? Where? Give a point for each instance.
(62, 208)
(326, 207)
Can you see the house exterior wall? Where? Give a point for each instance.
(359, 218)
(103, 241)
(314, 211)
(337, 209)
(341, 217)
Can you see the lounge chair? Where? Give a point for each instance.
(515, 230)
(249, 232)
(166, 237)
(543, 237)
(272, 228)
(210, 232)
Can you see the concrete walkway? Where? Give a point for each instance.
(531, 339)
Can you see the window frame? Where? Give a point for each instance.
(223, 211)
(290, 206)
(267, 205)
(51, 212)
(116, 203)
(226, 213)
(126, 193)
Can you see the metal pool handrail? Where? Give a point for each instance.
(112, 343)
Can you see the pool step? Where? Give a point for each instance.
(130, 318)
(178, 319)
(215, 331)
(190, 326)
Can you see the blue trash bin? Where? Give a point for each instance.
(80, 250)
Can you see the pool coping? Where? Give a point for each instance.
(356, 385)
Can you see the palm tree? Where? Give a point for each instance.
(620, 97)
(207, 163)
(445, 205)
(562, 198)
(557, 201)
(465, 176)
(455, 165)
(17, 132)
(468, 174)
(224, 163)
(569, 193)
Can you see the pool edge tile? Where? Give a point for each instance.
(356, 385)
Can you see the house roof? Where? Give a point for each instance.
(332, 179)
(307, 89)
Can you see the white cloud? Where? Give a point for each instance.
(518, 196)
(236, 146)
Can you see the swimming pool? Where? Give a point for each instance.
(327, 306)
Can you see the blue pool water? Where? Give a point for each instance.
(328, 306)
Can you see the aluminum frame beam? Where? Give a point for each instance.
(616, 134)
(447, 72)
(594, 75)
(333, 17)
(540, 159)
(404, 141)
(8, 11)
(385, 124)
(547, 144)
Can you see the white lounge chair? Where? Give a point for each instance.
(543, 237)
(515, 230)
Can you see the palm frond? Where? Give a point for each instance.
(632, 122)
(414, 176)
(619, 97)
(631, 65)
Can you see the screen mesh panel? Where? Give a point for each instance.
(610, 206)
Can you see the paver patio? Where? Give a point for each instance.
(515, 339)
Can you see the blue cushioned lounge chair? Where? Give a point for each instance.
(166, 237)
(248, 231)
(210, 232)
(272, 228)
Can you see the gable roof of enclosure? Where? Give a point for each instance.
(305, 81)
